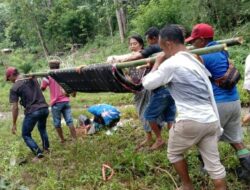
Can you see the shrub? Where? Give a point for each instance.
(156, 13)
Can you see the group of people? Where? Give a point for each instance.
(154, 107)
(206, 110)
(28, 92)
(180, 89)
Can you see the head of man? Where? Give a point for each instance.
(171, 40)
(11, 74)
(54, 64)
(152, 35)
(135, 43)
(201, 35)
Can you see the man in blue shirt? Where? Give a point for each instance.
(227, 100)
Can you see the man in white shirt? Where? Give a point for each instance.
(197, 118)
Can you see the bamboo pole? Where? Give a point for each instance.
(39, 74)
(232, 41)
(229, 42)
(47, 73)
(199, 51)
(135, 63)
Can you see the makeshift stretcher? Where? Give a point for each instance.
(110, 78)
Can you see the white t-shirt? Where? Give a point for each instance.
(247, 74)
(187, 86)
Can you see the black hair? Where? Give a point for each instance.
(138, 38)
(184, 32)
(152, 32)
(172, 32)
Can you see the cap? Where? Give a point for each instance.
(201, 31)
(9, 71)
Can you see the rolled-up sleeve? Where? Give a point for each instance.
(160, 77)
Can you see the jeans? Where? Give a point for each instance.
(64, 109)
(30, 120)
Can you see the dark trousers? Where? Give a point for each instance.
(38, 117)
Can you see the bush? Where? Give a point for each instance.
(224, 15)
(157, 13)
(75, 25)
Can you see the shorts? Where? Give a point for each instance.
(230, 119)
(161, 106)
(61, 108)
(187, 133)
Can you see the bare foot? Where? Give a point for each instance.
(158, 144)
(145, 142)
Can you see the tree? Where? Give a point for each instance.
(69, 23)
(121, 18)
(30, 16)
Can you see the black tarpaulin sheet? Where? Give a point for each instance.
(93, 78)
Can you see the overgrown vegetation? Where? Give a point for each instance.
(55, 25)
(78, 166)
(93, 26)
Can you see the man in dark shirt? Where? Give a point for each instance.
(152, 39)
(161, 106)
(27, 90)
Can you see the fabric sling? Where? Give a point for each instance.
(94, 78)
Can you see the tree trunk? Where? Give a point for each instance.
(120, 25)
(42, 42)
(124, 20)
(110, 27)
(120, 16)
(49, 2)
(38, 30)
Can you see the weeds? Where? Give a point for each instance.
(78, 165)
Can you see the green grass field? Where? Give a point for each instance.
(77, 165)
